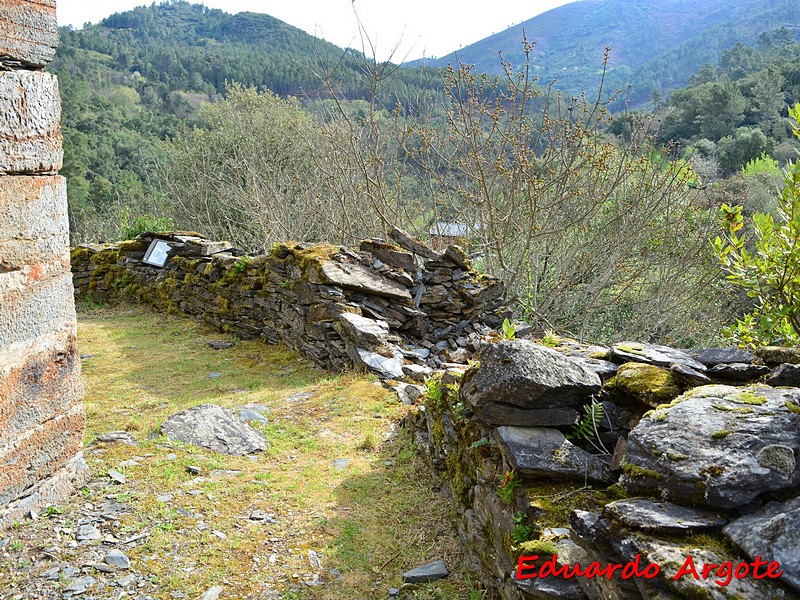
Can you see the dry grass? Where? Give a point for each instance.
(380, 515)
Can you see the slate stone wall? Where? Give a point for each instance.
(41, 414)
(690, 453)
(402, 311)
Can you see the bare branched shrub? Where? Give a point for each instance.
(596, 237)
(250, 175)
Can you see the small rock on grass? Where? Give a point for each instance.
(117, 559)
(220, 345)
(88, 532)
(212, 593)
(80, 585)
(116, 476)
(116, 437)
(430, 572)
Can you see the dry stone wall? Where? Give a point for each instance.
(41, 414)
(690, 455)
(397, 311)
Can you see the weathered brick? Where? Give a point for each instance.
(33, 221)
(43, 386)
(30, 123)
(40, 452)
(28, 33)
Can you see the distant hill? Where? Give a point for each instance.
(655, 44)
(191, 47)
(135, 78)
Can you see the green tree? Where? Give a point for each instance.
(766, 266)
(746, 144)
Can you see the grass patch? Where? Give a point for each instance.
(368, 522)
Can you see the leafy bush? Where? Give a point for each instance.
(764, 164)
(130, 227)
(766, 266)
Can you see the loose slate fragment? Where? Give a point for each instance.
(541, 451)
(643, 513)
(711, 357)
(661, 356)
(431, 572)
(215, 428)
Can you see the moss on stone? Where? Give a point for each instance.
(537, 547)
(721, 434)
(743, 397)
(637, 471)
(648, 384)
(792, 407)
(776, 355)
(632, 348)
(743, 410)
(676, 456)
(556, 500)
(778, 458)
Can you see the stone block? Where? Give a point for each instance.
(35, 301)
(40, 453)
(30, 123)
(53, 490)
(46, 384)
(33, 221)
(28, 33)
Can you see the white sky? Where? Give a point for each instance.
(432, 28)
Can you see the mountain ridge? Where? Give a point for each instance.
(655, 44)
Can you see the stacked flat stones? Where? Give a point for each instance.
(41, 414)
(397, 309)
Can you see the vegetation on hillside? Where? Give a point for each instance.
(656, 45)
(178, 116)
(737, 111)
(128, 83)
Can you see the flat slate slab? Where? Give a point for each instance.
(646, 514)
(785, 375)
(430, 572)
(527, 375)
(718, 446)
(738, 372)
(215, 428)
(358, 277)
(773, 533)
(711, 357)
(661, 356)
(541, 451)
(384, 366)
(363, 331)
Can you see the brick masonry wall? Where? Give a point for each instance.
(41, 413)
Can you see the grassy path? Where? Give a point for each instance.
(347, 504)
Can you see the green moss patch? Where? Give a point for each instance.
(647, 384)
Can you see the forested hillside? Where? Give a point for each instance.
(249, 130)
(655, 44)
(132, 80)
(736, 111)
